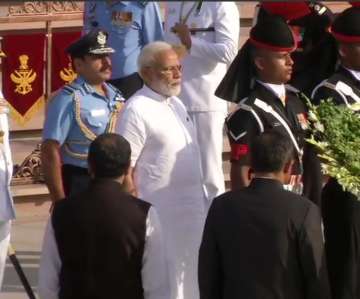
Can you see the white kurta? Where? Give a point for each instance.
(203, 68)
(7, 211)
(167, 174)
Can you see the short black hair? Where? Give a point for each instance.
(109, 155)
(270, 151)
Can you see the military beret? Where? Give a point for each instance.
(299, 13)
(272, 33)
(287, 9)
(346, 27)
(94, 42)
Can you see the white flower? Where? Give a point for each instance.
(355, 107)
(312, 116)
(319, 126)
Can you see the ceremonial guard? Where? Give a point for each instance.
(341, 210)
(264, 66)
(210, 33)
(130, 25)
(316, 53)
(77, 114)
(7, 212)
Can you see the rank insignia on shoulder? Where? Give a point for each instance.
(70, 88)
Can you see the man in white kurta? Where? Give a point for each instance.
(7, 212)
(210, 32)
(166, 162)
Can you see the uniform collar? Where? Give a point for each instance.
(265, 182)
(278, 89)
(154, 95)
(86, 88)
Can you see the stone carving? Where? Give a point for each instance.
(45, 7)
(66, 6)
(30, 169)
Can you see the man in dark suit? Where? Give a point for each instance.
(106, 243)
(263, 241)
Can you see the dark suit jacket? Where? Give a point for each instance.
(262, 242)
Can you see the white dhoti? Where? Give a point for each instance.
(182, 227)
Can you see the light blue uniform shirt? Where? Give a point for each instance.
(130, 25)
(95, 110)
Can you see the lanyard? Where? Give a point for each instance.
(184, 19)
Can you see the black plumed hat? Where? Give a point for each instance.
(346, 27)
(271, 33)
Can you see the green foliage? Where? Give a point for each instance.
(335, 131)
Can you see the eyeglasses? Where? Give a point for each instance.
(171, 69)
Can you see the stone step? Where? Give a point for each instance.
(29, 190)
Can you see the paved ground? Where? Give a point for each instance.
(27, 233)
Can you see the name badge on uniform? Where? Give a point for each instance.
(302, 120)
(122, 18)
(97, 112)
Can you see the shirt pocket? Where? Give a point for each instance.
(96, 120)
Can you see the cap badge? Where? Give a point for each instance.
(101, 38)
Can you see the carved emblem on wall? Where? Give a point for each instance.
(30, 169)
(45, 7)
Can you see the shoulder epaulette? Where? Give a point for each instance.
(70, 88)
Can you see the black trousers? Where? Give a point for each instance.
(341, 216)
(75, 179)
(128, 85)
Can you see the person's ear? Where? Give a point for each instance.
(259, 63)
(288, 167)
(127, 170)
(77, 63)
(342, 50)
(146, 74)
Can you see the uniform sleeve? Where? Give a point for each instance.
(324, 93)
(210, 278)
(59, 118)
(154, 270)
(50, 265)
(312, 255)
(89, 15)
(241, 129)
(227, 27)
(132, 127)
(152, 24)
